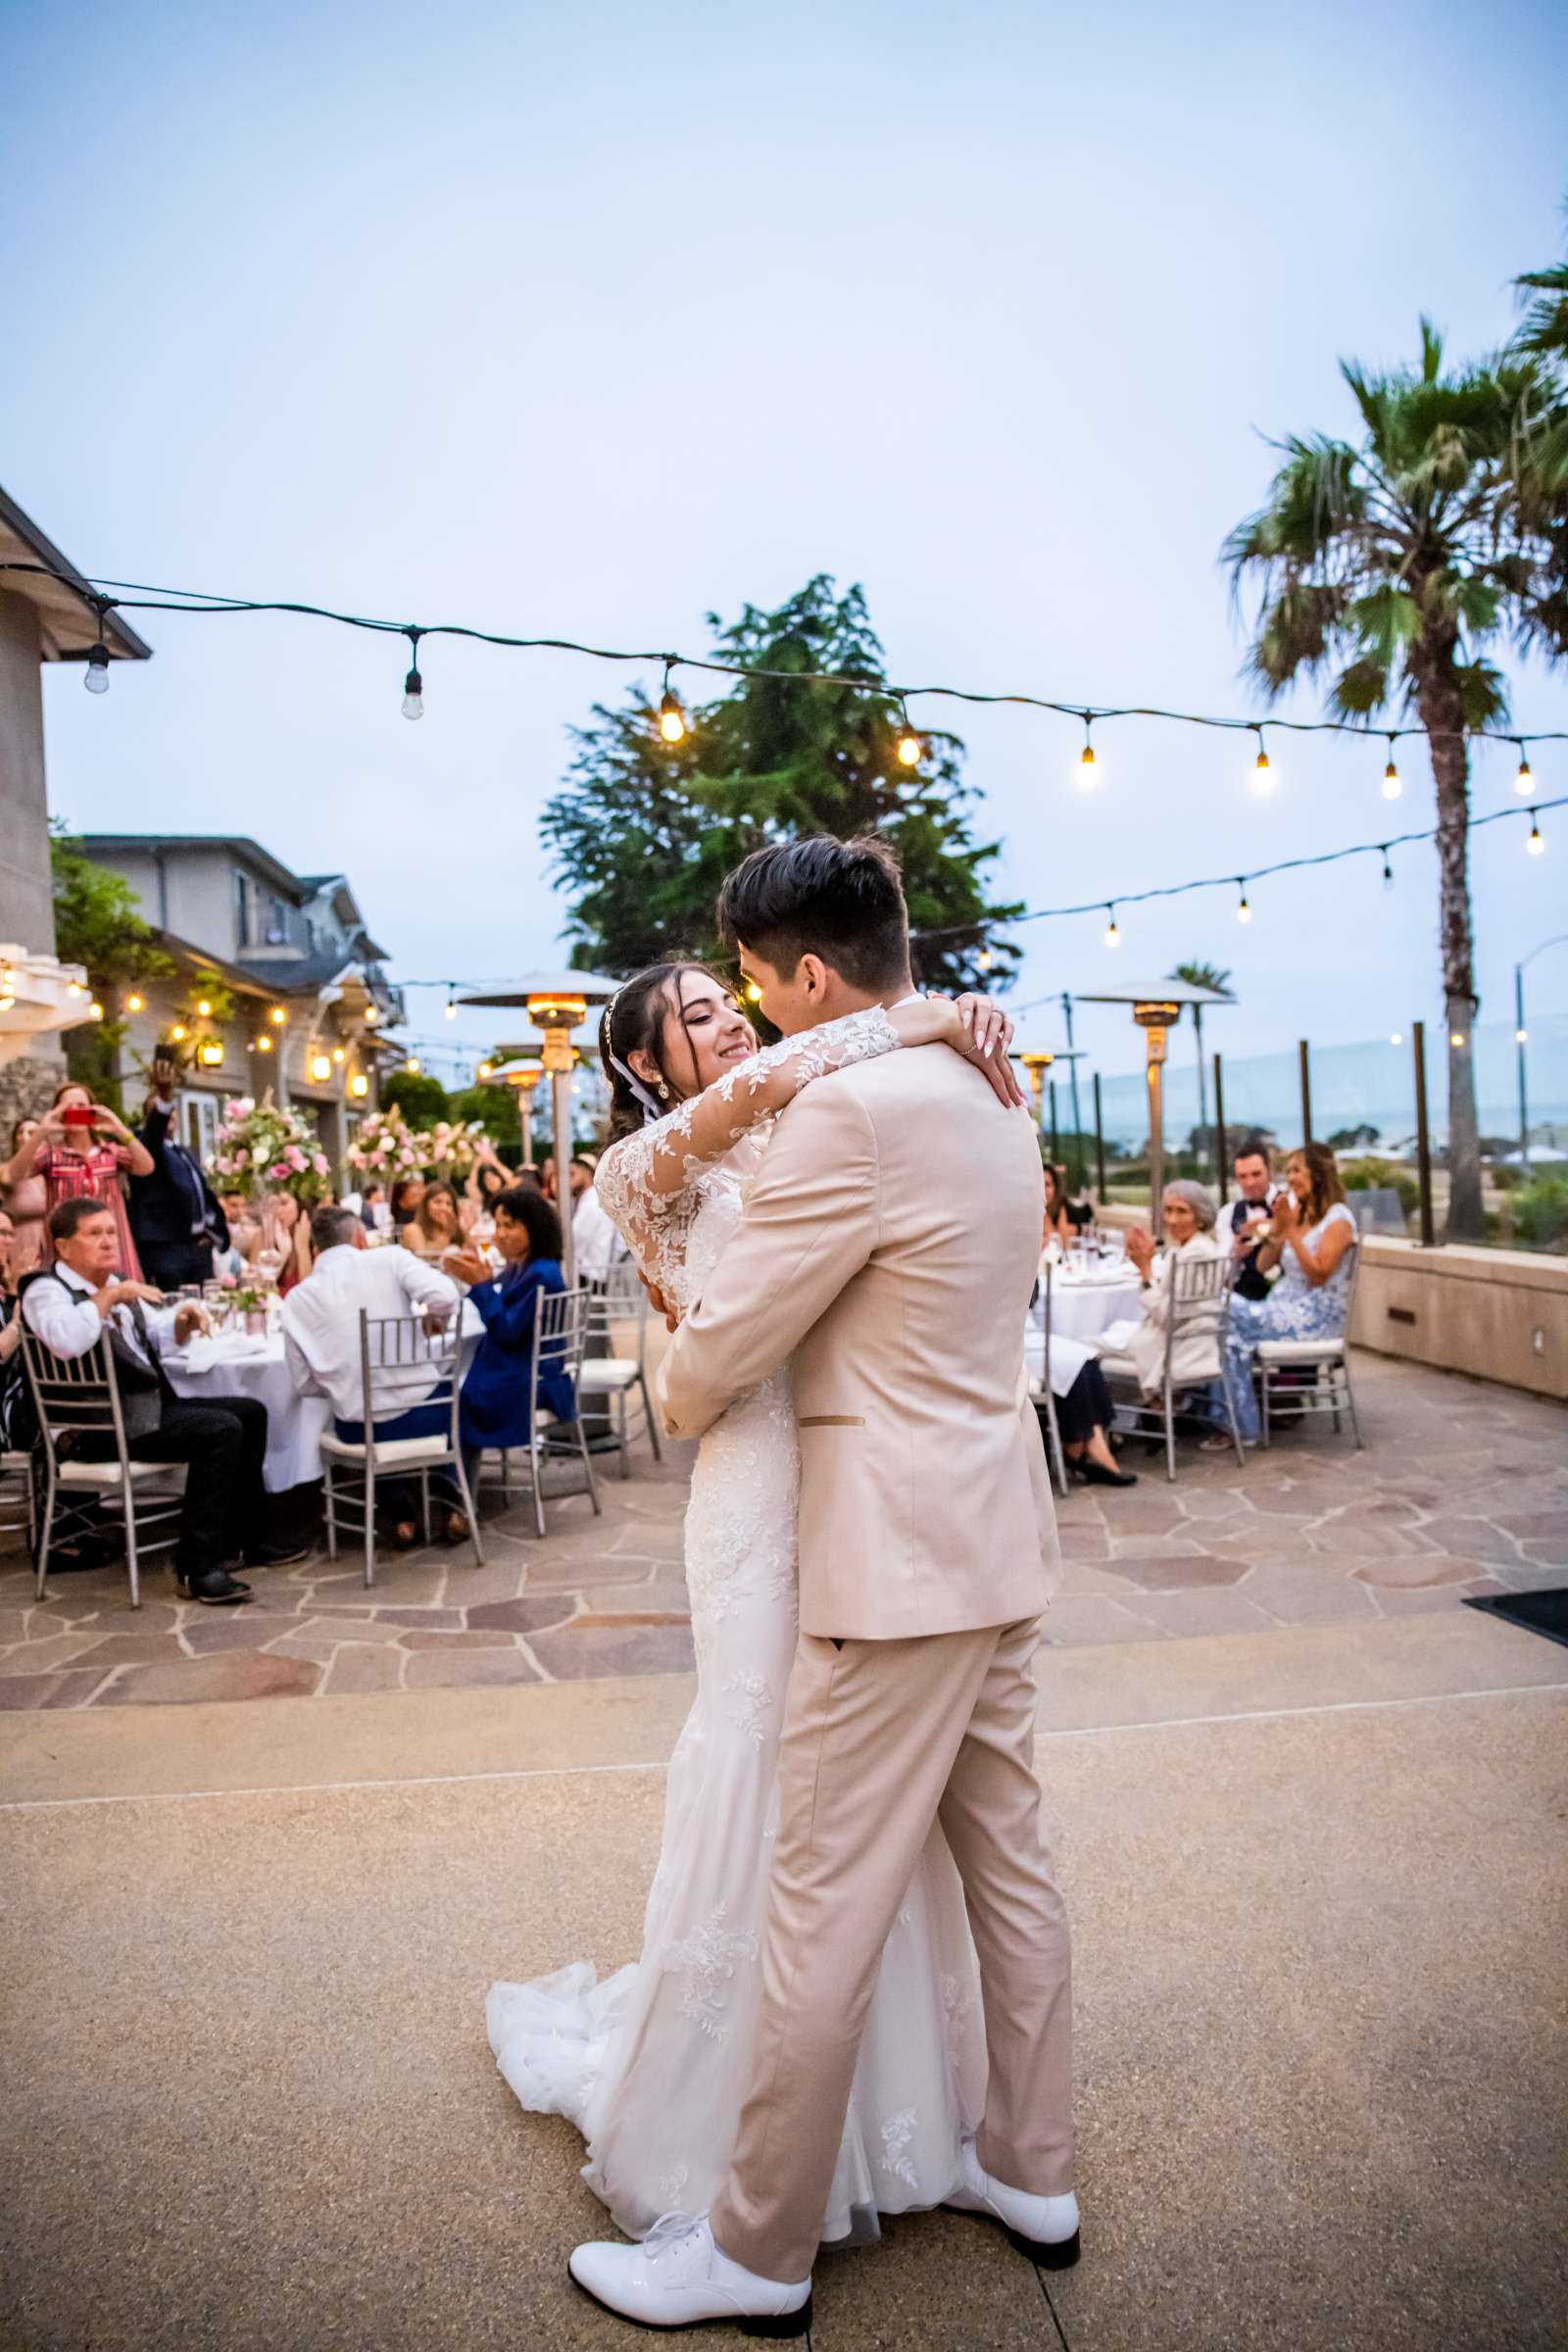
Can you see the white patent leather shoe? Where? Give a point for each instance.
(678, 2278)
(1045, 2228)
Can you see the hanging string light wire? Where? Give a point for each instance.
(137, 596)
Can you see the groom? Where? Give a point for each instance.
(889, 1246)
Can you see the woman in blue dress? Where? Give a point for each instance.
(1309, 1240)
(498, 1387)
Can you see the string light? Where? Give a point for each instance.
(1457, 1037)
(1387, 870)
(96, 675)
(135, 1003)
(983, 959)
(1112, 934)
(371, 1016)
(1524, 782)
(1244, 912)
(96, 1010)
(177, 1033)
(1391, 787)
(1262, 778)
(1088, 765)
(1521, 1037)
(264, 1045)
(414, 684)
(485, 1068)
(138, 596)
(671, 718)
(1398, 1039)
(450, 1009)
(277, 1017)
(1534, 845)
(411, 1065)
(908, 746)
(204, 1008)
(338, 1054)
(74, 987)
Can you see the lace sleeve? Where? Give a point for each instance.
(639, 1176)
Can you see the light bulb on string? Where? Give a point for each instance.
(1262, 774)
(1397, 1038)
(411, 1065)
(1112, 933)
(177, 1033)
(1457, 1037)
(1521, 1037)
(1244, 912)
(205, 1008)
(1387, 870)
(671, 718)
(414, 684)
(1534, 845)
(134, 1004)
(1391, 787)
(983, 959)
(1524, 782)
(277, 1017)
(908, 744)
(1088, 765)
(96, 676)
(450, 1009)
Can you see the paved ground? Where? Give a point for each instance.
(1318, 1898)
(1463, 1489)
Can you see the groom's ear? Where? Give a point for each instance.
(812, 974)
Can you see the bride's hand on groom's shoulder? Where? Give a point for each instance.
(974, 1027)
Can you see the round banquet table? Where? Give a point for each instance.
(231, 1365)
(1082, 1307)
(255, 1367)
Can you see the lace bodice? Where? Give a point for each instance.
(655, 1185)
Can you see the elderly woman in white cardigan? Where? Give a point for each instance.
(1188, 1216)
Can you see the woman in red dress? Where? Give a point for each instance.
(91, 1153)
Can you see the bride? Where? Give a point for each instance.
(652, 2064)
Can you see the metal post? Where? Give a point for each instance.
(1056, 1147)
(1519, 1049)
(1423, 1140)
(1099, 1144)
(1077, 1111)
(1156, 1122)
(525, 1115)
(1221, 1156)
(1305, 1054)
(561, 1103)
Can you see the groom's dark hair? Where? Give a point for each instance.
(840, 900)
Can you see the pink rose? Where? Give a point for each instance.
(241, 1157)
(278, 1172)
(320, 1164)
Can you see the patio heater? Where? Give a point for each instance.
(556, 1004)
(523, 1076)
(1156, 1009)
(1037, 1062)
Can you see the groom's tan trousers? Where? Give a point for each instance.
(881, 1739)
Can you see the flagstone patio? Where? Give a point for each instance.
(1462, 1491)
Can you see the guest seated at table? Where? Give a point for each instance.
(222, 1440)
(1084, 1418)
(1188, 1212)
(1244, 1222)
(435, 1226)
(285, 1248)
(1310, 1235)
(322, 1336)
(496, 1388)
(1065, 1219)
(407, 1194)
(375, 1209)
(488, 1178)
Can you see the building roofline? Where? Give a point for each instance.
(63, 603)
(279, 874)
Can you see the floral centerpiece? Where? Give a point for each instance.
(262, 1147)
(387, 1148)
(452, 1147)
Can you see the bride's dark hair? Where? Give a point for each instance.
(633, 1022)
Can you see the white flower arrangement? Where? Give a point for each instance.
(387, 1148)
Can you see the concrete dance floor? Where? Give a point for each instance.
(1316, 1877)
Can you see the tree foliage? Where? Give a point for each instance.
(421, 1099)
(97, 925)
(643, 832)
(1393, 567)
(495, 1110)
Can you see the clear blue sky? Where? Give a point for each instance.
(590, 322)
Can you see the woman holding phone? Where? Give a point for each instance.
(83, 1148)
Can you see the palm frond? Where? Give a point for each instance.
(1361, 689)
(1385, 621)
(1482, 694)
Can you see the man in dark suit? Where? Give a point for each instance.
(174, 1218)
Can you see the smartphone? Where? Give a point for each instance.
(78, 1114)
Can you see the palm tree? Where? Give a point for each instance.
(1393, 565)
(1197, 974)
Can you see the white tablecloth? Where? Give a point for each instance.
(1082, 1307)
(232, 1366)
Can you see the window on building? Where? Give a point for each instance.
(198, 1123)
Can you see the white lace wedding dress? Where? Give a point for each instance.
(651, 2063)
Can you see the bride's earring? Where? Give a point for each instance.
(664, 1092)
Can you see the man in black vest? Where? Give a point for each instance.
(222, 1441)
(174, 1218)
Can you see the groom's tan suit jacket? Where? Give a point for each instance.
(890, 1246)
